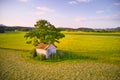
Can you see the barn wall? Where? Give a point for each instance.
(52, 49)
(41, 51)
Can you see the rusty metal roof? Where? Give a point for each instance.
(42, 46)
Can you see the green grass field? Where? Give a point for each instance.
(85, 56)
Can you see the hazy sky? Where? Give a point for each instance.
(61, 13)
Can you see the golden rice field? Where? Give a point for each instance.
(84, 57)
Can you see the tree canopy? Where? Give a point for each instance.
(44, 32)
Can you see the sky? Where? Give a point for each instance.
(61, 13)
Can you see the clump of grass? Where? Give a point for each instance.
(40, 57)
(33, 52)
(55, 57)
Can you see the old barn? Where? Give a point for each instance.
(46, 49)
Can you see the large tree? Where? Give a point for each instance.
(44, 32)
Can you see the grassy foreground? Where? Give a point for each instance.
(14, 67)
(85, 57)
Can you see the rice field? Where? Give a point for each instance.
(15, 67)
(84, 57)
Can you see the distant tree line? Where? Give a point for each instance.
(78, 29)
(4, 28)
(117, 29)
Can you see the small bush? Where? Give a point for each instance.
(33, 52)
(40, 57)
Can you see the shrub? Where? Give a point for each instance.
(40, 57)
